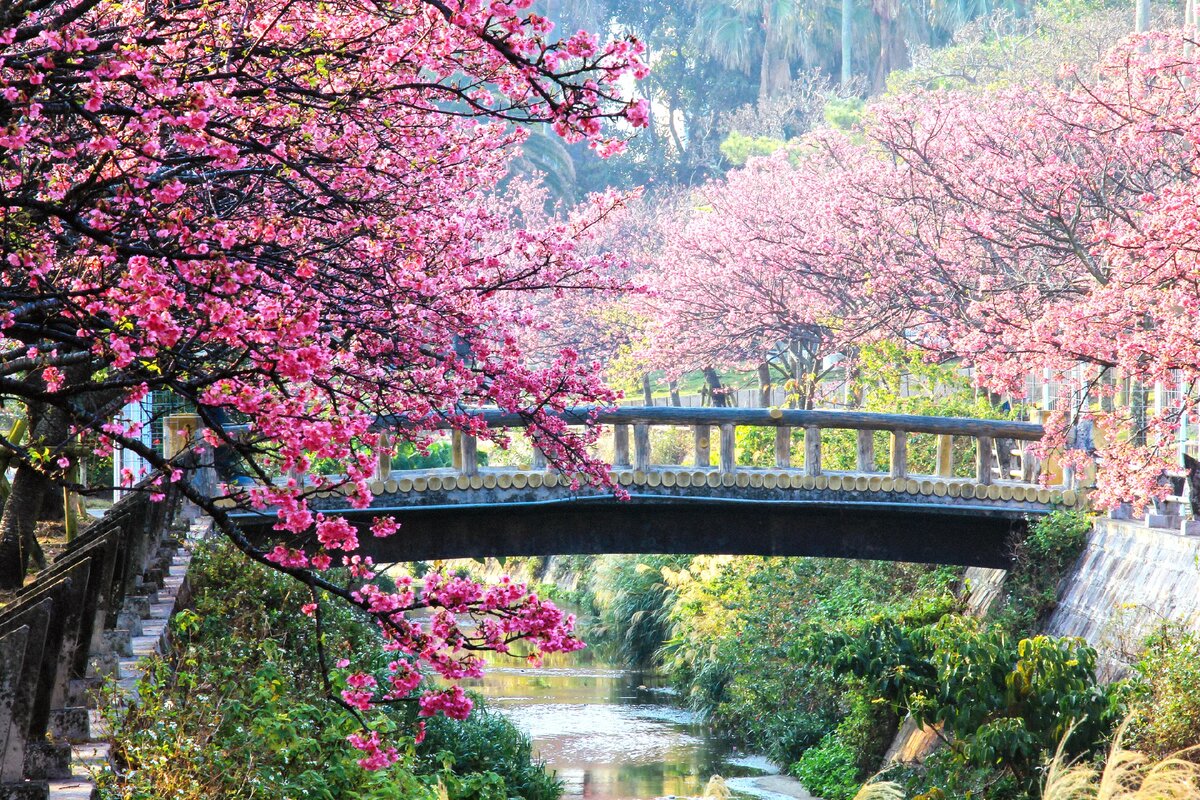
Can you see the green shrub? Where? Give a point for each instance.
(634, 602)
(237, 708)
(829, 770)
(738, 148)
(1005, 704)
(1040, 560)
(488, 743)
(1165, 707)
(746, 633)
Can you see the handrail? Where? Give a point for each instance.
(992, 454)
(767, 417)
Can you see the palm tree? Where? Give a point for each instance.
(769, 34)
(543, 156)
(847, 42)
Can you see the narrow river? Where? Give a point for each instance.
(615, 734)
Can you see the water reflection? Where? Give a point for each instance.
(609, 734)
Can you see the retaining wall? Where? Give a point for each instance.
(1129, 580)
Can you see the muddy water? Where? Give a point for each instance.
(613, 734)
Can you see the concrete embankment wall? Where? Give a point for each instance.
(1129, 580)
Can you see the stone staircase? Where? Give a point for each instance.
(143, 631)
(79, 627)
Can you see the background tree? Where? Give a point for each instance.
(750, 278)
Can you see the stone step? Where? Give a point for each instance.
(141, 631)
(154, 626)
(97, 724)
(143, 646)
(77, 787)
(129, 668)
(159, 611)
(93, 754)
(128, 687)
(147, 591)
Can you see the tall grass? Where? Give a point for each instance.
(1126, 775)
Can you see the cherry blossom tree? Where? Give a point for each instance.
(277, 210)
(1047, 229)
(1051, 231)
(751, 275)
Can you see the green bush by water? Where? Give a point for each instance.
(237, 709)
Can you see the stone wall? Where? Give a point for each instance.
(1129, 580)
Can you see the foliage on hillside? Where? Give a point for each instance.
(238, 707)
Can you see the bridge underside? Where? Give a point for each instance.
(596, 526)
(456, 523)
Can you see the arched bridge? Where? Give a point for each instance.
(978, 483)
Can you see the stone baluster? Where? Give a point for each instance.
(783, 447)
(621, 446)
(1031, 465)
(865, 455)
(945, 455)
(641, 447)
(812, 450)
(899, 454)
(456, 450)
(700, 434)
(470, 457)
(728, 448)
(983, 460)
(383, 455)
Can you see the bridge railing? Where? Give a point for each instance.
(1000, 446)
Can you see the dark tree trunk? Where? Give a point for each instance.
(19, 523)
(673, 387)
(647, 394)
(26, 499)
(854, 387)
(764, 384)
(715, 390)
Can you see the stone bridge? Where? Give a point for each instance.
(957, 513)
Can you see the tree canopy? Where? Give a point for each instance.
(281, 213)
